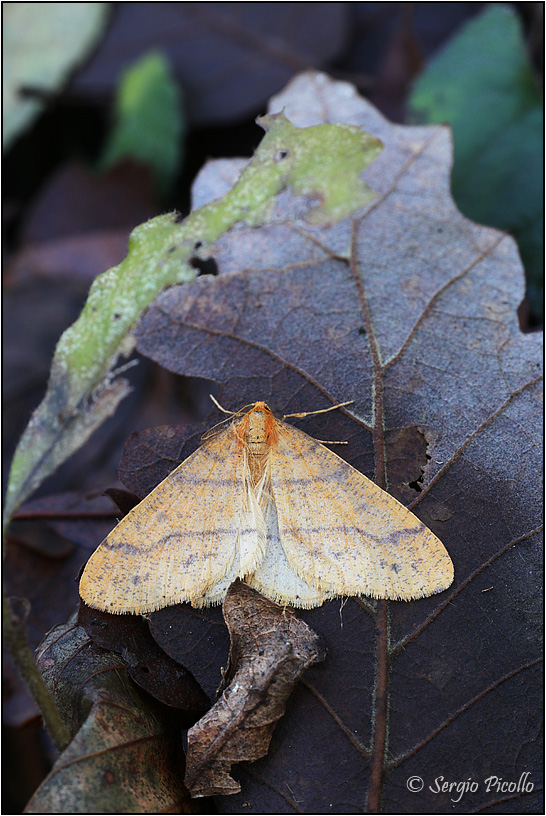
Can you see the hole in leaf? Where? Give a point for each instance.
(417, 484)
(204, 266)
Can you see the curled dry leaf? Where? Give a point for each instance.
(270, 650)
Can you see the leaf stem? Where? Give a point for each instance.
(15, 638)
(381, 698)
(380, 709)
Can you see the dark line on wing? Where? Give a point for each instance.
(175, 537)
(304, 480)
(212, 481)
(395, 535)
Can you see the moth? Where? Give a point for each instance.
(263, 501)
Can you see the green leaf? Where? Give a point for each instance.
(43, 43)
(81, 392)
(148, 119)
(483, 85)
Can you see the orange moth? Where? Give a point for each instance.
(261, 500)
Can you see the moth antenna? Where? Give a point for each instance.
(214, 430)
(302, 414)
(330, 442)
(224, 410)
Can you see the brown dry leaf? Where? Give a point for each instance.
(148, 665)
(76, 258)
(270, 650)
(46, 547)
(76, 201)
(44, 551)
(78, 225)
(123, 755)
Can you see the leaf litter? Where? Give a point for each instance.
(420, 302)
(123, 756)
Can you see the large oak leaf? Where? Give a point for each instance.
(410, 311)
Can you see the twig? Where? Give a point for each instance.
(15, 638)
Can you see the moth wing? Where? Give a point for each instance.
(181, 540)
(344, 535)
(275, 578)
(249, 552)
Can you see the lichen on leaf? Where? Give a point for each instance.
(83, 390)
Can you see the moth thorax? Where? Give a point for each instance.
(256, 435)
(260, 431)
(259, 435)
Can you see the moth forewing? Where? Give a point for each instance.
(179, 541)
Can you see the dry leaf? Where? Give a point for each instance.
(122, 758)
(148, 665)
(410, 310)
(270, 649)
